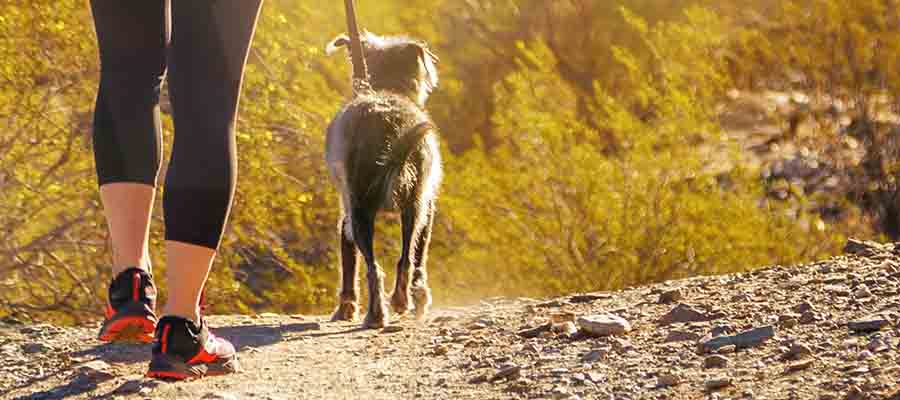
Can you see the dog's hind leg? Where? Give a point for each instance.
(364, 235)
(348, 308)
(421, 294)
(400, 298)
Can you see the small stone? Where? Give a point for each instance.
(604, 325)
(869, 324)
(878, 345)
(803, 307)
(798, 351)
(729, 349)
(862, 292)
(799, 366)
(94, 371)
(715, 361)
(808, 317)
(717, 383)
(684, 313)
(392, 329)
(530, 333)
(594, 355)
(31, 348)
(562, 317)
(681, 336)
(507, 371)
(671, 296)
(565, 328)
(668, 379)
(864, 355)
(219, 396)
(589, 298)
(750, 338)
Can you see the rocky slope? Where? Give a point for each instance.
(827, 330)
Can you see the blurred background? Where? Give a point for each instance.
(589, 145)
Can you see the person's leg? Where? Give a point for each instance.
(210, 43)
(126, 138)
(132, 40)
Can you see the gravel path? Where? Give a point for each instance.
(827, 330)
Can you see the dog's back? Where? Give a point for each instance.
(387, 151)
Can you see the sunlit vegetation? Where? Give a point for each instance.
(584, 141)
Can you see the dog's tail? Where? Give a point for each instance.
(394, 157)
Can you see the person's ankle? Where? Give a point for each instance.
(190, 316)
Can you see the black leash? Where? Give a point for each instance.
(357, 54)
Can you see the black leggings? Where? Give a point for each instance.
(204, 46)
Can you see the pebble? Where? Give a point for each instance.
(595, 355)
(668, 379)
(681, 336)
(671, 296)
(798, 351)
(717, 383)
(604, 325)
(507, 371)
(684, 313)
(219, 396)
(715, 361)
(862, 292)
(799, 366)
(868, 324)
(31, 348)
(750, 338)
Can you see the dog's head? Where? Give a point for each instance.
(398, 64)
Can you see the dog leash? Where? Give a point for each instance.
(357, 53)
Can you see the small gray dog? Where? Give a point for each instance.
(382, 153)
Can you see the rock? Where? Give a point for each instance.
(717, 383)
(94, 371)
(604, 325)
(565, 328)
(392, 329)
(868, 324)
(715, 361)
(671, 296)
(507, 371)
(799, 366)
(530, 333)
(219, 396)
(808, 317)
(727, 349)
(685, 313)
(31, 348)
(789, 321)
(877, 345)
(595, 355)
(562, 317)
(751, 338)
(837, 290)
(589, 298)
(862, 247)
(668, 379)
(797, 351)
(803, 307)
(862, 292)
(681, 336)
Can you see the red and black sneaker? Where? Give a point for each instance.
(183, 350)
(130, 312)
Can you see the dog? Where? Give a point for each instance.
(382, 154)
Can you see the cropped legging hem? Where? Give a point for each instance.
(199, 47)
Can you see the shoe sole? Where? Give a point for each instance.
(164, 366)
(134, 324)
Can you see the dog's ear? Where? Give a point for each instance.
(335, 44)
(428, 61)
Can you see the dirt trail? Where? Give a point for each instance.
(827, 330)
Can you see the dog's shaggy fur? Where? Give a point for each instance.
(382, 153)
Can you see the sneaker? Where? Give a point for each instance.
(130, 311)
(183, 350)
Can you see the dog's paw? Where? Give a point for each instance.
(377, 318)
(346, 312)
(400, 302)
(422, 298)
